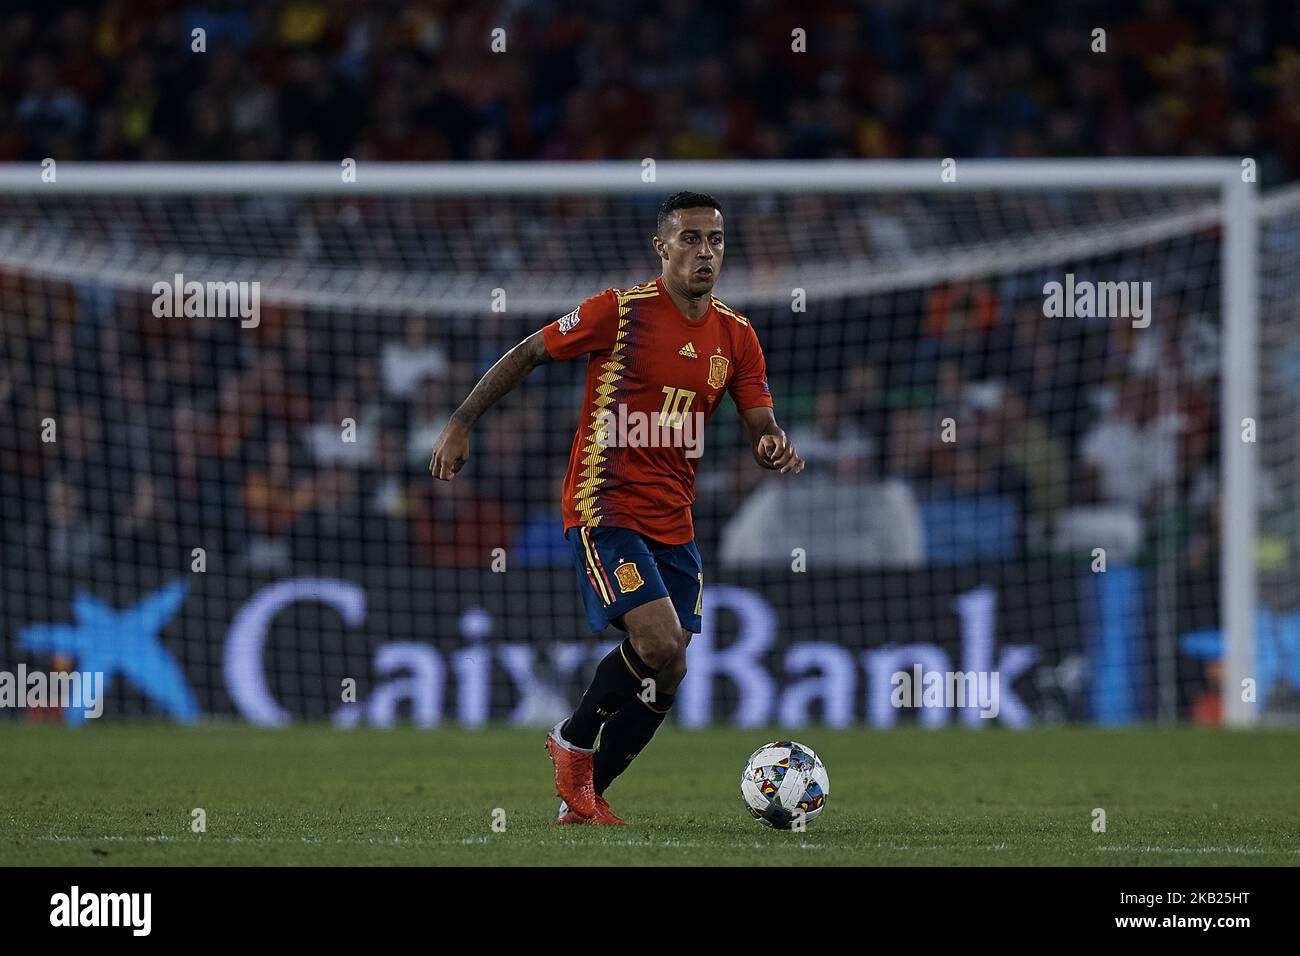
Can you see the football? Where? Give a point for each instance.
(781, 779)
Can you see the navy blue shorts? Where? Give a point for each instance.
(619, 569)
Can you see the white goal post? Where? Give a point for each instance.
(1232, 205)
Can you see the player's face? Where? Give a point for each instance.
(692, 249)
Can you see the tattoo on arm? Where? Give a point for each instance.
(502, 378)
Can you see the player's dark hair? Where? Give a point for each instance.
(683, 200)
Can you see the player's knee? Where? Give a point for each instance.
(679, 650)
(674, 673)
(656, 633)
(661, 645)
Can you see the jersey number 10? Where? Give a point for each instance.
(677, 401)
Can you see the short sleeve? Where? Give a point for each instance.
(749, 388)
(591, 327)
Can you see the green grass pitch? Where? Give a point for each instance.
(124, 794)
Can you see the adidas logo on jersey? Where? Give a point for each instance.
(689, 351)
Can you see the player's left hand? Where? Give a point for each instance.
(450, 452)
(776, 453)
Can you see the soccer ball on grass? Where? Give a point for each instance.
(784, 783)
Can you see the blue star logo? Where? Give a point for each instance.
(1277, 650)
(127, 642)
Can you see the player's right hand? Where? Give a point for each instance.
(775, 452)
(450, 452)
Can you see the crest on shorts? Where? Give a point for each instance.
(718, 371)
(629, 577)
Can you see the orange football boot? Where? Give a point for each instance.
(603, 816)
(569, 817)
(573, 769)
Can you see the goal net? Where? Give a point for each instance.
(219, 388)
(1276, 658)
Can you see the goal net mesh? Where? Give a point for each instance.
(1277, 622)
(231, 516)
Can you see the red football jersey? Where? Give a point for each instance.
(653, 379)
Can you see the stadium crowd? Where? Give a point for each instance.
(324, 79)
(185, 435)
(307, 441)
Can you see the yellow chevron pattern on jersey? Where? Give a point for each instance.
(593, 453)
(727, 310)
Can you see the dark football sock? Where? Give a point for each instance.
(625, 735)
(617, 681)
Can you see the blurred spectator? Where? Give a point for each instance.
(409, 362)
(1132, 451)
(1039, 459)
(384, 481)
(328, 531)
(454, 525)
(274, 497)
(354, 444)
(49, 114)
(144, 535)
(73, 537)
(831, 443)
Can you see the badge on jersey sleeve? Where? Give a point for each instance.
(718, 365)
(629, 578)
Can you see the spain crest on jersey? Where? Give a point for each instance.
(629, 578)
(718, 371)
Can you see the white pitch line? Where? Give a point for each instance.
(657, 844)
(404, 841)
(1253, 851)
